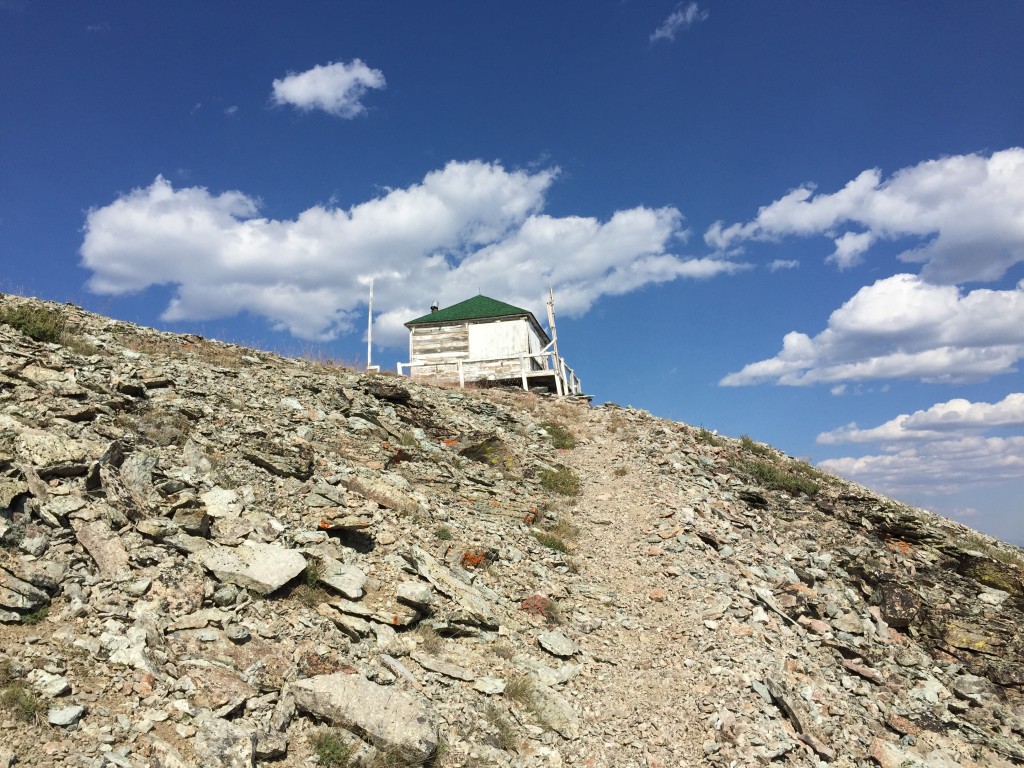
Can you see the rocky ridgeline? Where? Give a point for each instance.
(215, 556)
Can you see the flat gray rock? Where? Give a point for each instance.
(18, 594)
(222, 502)
(553, 709)
(383, 493)
(223, 744)
(65, 716)
(262, 568)
(490, 686)
(347, 580)
(389, 718)
(476, 609)
(557, 644)
(48, 684)
(45, 450)
(442, 667)
(105, 548)
(415, 593)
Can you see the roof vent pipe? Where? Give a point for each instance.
(433, 308)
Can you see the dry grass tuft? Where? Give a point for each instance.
(430, 641)
(521, 690)
(497, 718)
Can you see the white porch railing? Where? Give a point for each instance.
(566, 380)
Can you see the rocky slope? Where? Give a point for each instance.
(214, 556)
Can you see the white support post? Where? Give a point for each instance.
(522, 366)
(462, 375)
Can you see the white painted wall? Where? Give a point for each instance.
(499, 339)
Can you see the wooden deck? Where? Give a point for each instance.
(542, 369)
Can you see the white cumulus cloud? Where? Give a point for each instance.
(468, 227)
(902, 327)
(965, 212)
(938, 450)
(336, 88)
(941, 421)
(850, 248)
(778, 264)
(936, 467)
(681, 19)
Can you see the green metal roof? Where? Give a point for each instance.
(476, 308)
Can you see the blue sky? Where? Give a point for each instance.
(798, 221)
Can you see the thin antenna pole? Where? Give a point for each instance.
(369, 331)
(551, 319)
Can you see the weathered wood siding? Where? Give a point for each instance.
(443, 344)
(441, 347)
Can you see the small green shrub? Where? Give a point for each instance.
(620, 472)
(551, 541)
(707, 437)
(22, 703)
(332, 751)
(560, 435)
(757, 448)
(562, 481)
(772, 476)
(37, 323)
(13, 536)
(444, 533)
(36, 617)
(312, 572)
(306, 588)
(522, 690)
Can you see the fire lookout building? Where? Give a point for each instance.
(482, 339)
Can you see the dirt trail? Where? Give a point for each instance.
(647, 703)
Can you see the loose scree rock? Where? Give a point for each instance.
(216, 556)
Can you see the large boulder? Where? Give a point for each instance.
(898, 605)
(262, 568)
(389, 718)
